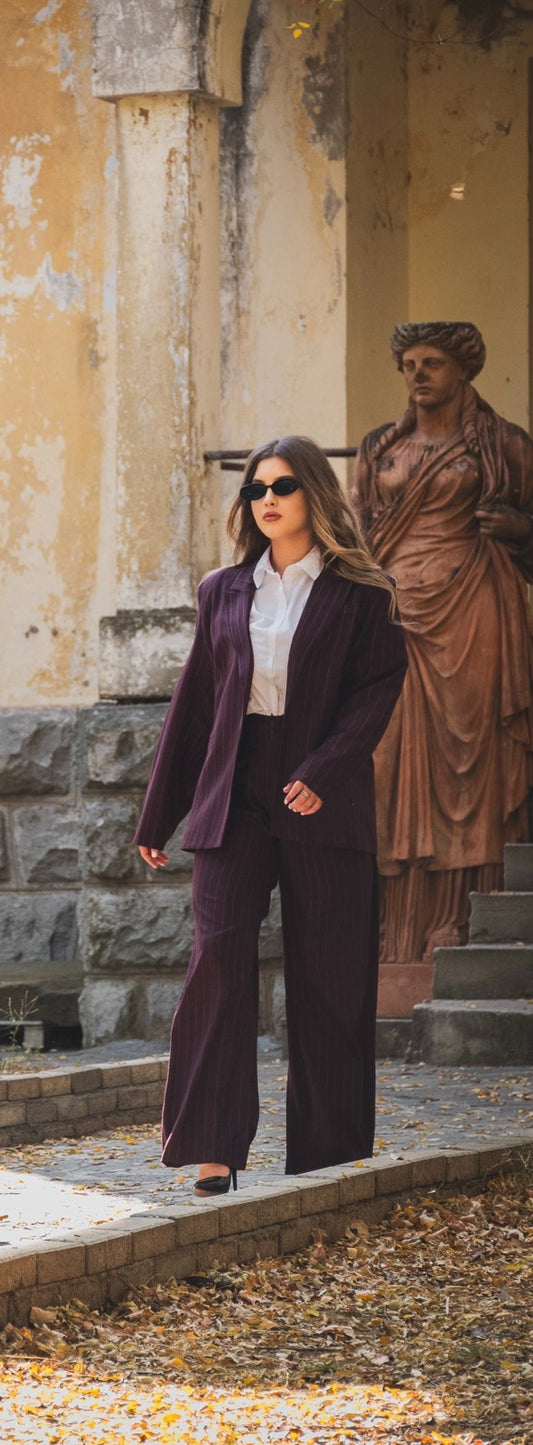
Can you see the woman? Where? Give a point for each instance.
(295, 669)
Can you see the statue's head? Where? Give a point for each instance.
(459, 339)
(437, 359)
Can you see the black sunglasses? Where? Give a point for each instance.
(282, 487)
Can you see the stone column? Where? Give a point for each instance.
(168, 67)
(168, 386)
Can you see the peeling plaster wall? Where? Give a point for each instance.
(324, 246)
(377, 189)
(169, 47)
(168, 347)
(469, 256)
(57, 180)
(437, 187)
(284, 236)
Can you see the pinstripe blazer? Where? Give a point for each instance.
(345, 672)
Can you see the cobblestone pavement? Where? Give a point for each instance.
(48, 1189)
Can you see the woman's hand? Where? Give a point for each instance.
(301, 799)
(504, 524)
(153, 857)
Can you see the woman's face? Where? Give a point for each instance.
(286, 518)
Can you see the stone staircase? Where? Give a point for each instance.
(482, 1006)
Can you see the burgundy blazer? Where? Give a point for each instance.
(345, 672)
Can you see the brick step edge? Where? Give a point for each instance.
(103, 1263)
(69, 1103)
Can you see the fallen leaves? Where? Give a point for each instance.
(170, 1414)
(410, 1331)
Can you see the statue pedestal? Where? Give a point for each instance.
(401, 986)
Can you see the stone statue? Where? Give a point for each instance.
(446, 499)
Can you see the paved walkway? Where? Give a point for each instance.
(48, 1190)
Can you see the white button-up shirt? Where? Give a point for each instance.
(275, 613)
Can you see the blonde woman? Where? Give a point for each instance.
(295, 669)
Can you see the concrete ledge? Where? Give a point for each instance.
(473, 1031)
(501, 916)
(484, 971)
(103, 1263)
(143, 653)
(60, 1103)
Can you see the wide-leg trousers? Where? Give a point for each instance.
(329, 907)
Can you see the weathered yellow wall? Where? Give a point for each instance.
(284, 237)
(324, 246)
(377, 190)
(469, 258)
(438, 209)
(56, 365)
(168, 347)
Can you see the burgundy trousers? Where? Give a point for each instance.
(329, 905)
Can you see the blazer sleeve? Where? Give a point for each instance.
(373, 684)
(182, 746)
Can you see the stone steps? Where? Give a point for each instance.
(508, 916)
(482, 1006)
(490, 970)
(474, 1031)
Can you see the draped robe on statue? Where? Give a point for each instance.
(454, 767)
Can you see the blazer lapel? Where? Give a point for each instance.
(238, 602)
(327, 596)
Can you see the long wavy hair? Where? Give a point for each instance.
(335, 526)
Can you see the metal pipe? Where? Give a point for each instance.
(234, 455)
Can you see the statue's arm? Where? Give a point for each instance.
(519, 457)
(510, 519)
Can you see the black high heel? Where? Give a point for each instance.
(216, 1184)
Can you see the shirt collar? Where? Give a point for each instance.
(312, 563)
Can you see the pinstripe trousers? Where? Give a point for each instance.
(329, 909)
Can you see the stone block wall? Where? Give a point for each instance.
(40, 869)
(85, 927)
